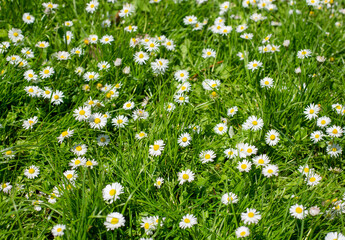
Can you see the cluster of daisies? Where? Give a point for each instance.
(148, 51)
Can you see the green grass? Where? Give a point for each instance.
(126, 159)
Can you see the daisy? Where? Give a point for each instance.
(316, 136)
(313, 179)
(88, 76)
(241, 28)
(159, 182)
(334, 236)
(230, 153)
(46, 93)
(114, 220)
(181, 75)
(220, 128)
(157, 148)
(207, 156)
(65, 134)
(79, 149)
(30, 75)
(184, 139)
(334, 131)
(152, 45)
(71, 175)
(128, 105)
(266, 39)
(50, 5)
(107, 39)
(68, 23)
(103, 66)
(250, 150)
(77, 162)
(208, 52)
(337, 107)
(169, 44)
(248, 36)
(242, 232)
(305, 53)
(120, 121)
(272, 137)
(103, 140)
(15, 34)
(170, 107)
(47, 72)
(188, 221)
(159, 66)
(131, 28)
(148, 225)
(244, 166)
(190, 20)
(82, 113)
(58, 230)
(140, 135)
(78, 51)
(261, 160)
(181, 98)
(185, 176)
(57, 97)
(6, 187)
(323, 121)
(9, 154)
(240, 55)
(112, 192)
(141, 57)
(305, 170)
(92, 6)
(270, 170)
(232, 111)
(334, 150)
(298, 211)
(254, 65)
(266, 82)
(27, 52)
(127, 10)
(33, 91)
(28, 124)
(31, 172)
(311, 111)
(253, 123)
(42, 44)
(184, 87)
(210, 84)
(250, 216)
(229, 198)
(91, 163)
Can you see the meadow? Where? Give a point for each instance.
(172, 119)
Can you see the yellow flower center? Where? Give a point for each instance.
(220, 128)
(207, 156)
(209, 53)
(64, 134)
(114, 221)
(141, 134)
(102, 139)
(335, 131)
(81, 112)
(59, 229)
(312, 179)
(146, 225)
(299, 210)
(126, 11)
(249, 150)
(270, 171)
(119, 121)
(261, 161)
(155, 147)
(334, 149)
(317, 135)
(31, 122)
(77, 162)
(267, 82)
(323, 122)
(41, 45)
(69, 176)
(89, 163)
(97, 120)
(141, 55)
(78, 148)
(272, 137)
(92, 5)
(91, 76)
(56, 97)
(185, 176)
(255, 123)
(46, 71)
(159, 183)
(8, 152)
(31, 170)
(184, 139)
(112, 192)
(255, 65)
(244, 166)
(250, 214)
(186, 220)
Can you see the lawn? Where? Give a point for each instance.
(172, 119)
